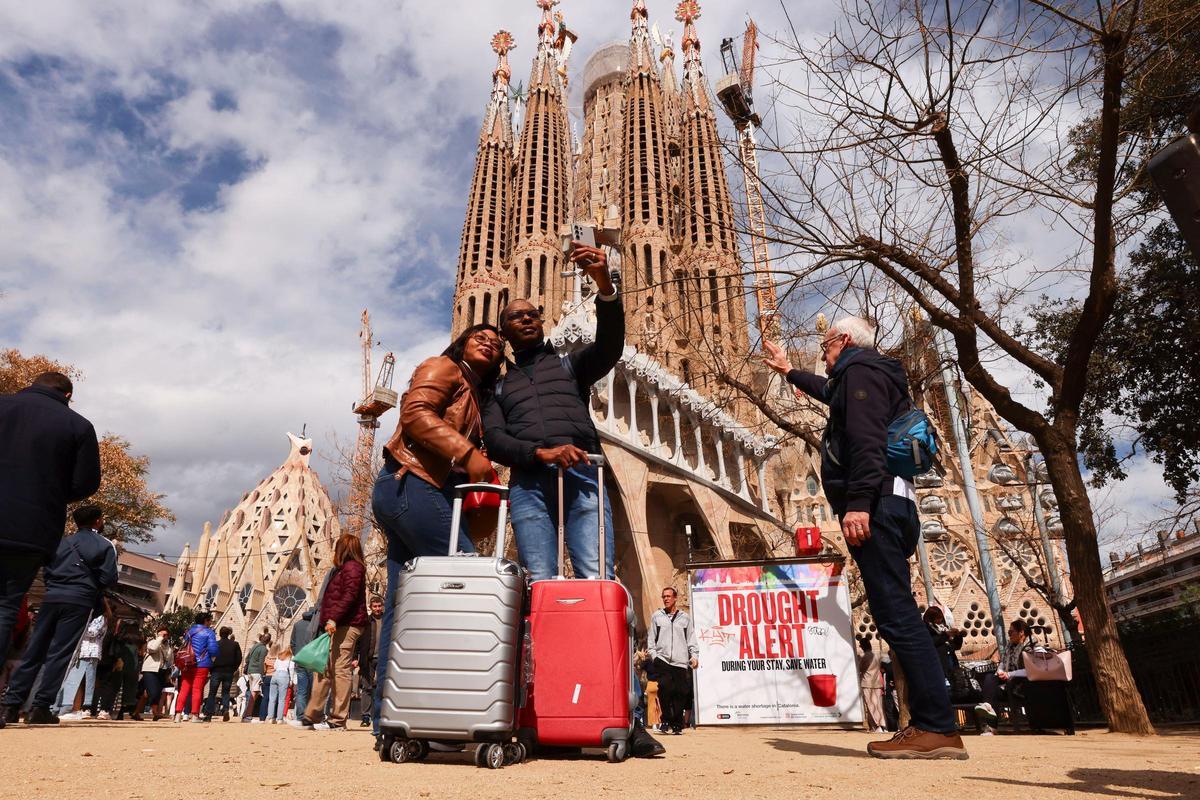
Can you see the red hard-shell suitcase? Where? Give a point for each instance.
(580, 659)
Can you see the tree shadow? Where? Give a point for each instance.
(1116, 783)
(816, 749)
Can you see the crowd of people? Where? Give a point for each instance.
(463, 409)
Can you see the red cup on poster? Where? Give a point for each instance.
(823, 689)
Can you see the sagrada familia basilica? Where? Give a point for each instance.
(697, 472)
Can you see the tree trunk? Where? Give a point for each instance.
(1119, 696)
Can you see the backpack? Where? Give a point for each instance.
(185, 656)
(911, 444)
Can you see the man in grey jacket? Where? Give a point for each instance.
(673, 651)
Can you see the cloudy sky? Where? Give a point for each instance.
(198, 198)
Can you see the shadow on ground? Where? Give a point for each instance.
(1140, 783)
(816, 749)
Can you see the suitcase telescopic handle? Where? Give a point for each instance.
(460, 491)
(599, 461)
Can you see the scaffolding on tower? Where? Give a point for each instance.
(736, 93)
(374, 402)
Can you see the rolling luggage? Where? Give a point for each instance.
(456, 641)
(580, 659)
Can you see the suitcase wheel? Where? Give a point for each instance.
(617, 752)
(491, 756)
(514, 753)
(385, 749)
(404, 750)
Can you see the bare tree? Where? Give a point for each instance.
(924, 144)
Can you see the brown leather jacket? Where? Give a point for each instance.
(439, 421)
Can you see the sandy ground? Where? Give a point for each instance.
(227, 760)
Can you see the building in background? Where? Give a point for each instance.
(145, 581)
(266, 561)
(647, 169)
(1155, 580)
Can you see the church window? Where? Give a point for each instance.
(289, 599)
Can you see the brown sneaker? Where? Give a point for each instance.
(916, 743)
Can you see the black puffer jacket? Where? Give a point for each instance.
(48, 457)
(543, 402)
(865, 391)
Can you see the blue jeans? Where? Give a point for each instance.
(534, 503)
(218, 683)
(83, 672)
(268, 689)
(276, 706)
(303, 689)
(883, 563)
(414, 515)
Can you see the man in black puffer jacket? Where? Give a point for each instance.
(49, 457)
(865, 392)
(537, 421)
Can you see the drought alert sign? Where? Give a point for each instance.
(775, 645)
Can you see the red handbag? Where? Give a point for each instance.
(483, 501)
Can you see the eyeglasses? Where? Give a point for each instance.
(828, 343)
(486, 337)
(517, 316)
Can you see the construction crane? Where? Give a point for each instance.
(374, 402)
(736, 93)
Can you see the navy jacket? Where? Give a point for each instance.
(84, 565)
(542, 402)
(865, 391)
(49, 457)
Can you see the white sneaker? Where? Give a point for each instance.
(106, 715)
(325, 726)
(297, 723)
(987, 731)
(186, 717)
(177, 718)
(255, 721)
(71, 716)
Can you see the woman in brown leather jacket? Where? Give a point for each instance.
(437, 445)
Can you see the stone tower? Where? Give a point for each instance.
(543, 201)
(645, 197)
(483, 262)
(712, 320)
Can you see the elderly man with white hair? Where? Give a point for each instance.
(865, 392)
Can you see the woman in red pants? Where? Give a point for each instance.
(203, 642)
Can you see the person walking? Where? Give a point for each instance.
(49, 457)
(159, 654)
(870, 680)
(673, 648)
(865, 392)
(224, 668)
(84, 670)
(344, 612)
(539, 421)
(437, 445)
(84, 566)
(281, 680)
(268, 687)
(365, 660)
(303, 632)
(255, 661)
(203, 642)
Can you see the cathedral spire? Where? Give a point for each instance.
(483, 252)
(543, 174)
(709, 253)
(645, 178)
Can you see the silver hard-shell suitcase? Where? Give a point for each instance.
(452, 669)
